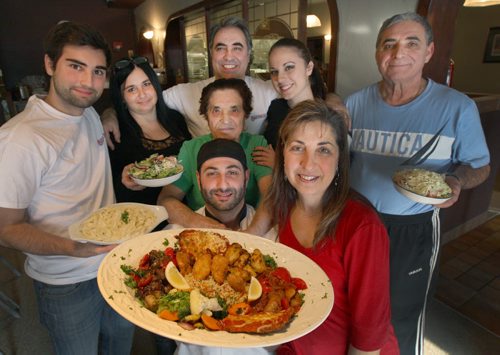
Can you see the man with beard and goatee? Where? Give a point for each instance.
(54, 171)
(222, 175)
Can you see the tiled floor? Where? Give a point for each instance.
(469, 279)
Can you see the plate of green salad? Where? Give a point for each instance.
(156, 171)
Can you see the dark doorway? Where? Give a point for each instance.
(316, 48)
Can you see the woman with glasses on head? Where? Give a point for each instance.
(295, 78)
(320, 217)
(147, 125)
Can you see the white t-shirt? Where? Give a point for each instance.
(185, 98)
(191, 349)
(55, 166)
(245, 222)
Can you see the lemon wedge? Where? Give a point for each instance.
(175, 278)
(255, 289)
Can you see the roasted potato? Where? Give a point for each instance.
(184, 261)
(219, 268)
(257, 261)
(233, 252)
(201, 267)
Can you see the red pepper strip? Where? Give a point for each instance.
(282, 273)
(136, 278)
(144, 261)
(285, 304)
(170, 252)
(146, 280)
(299, 283)
(265, 284)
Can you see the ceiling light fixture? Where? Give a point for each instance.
(473, 3)
(313, 21)
(148, 34)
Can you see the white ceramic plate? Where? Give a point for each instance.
(157, 182)
(160, 215)
(318, 300)
(419, 198)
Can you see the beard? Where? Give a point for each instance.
(66, 94)
(211, 199)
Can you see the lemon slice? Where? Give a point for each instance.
(255, 289)
(175, 278)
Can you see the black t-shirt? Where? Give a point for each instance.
(276, 113)
(132, 149)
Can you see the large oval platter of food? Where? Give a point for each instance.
(156, 171)
(422, 186)
(216, 288)
(117, 223)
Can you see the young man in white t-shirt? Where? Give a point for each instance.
(54, 171)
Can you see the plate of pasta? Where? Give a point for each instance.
(117, 223)
(422, 186)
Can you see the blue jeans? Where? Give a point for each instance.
(80, 321)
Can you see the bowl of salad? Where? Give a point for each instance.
(156, 171)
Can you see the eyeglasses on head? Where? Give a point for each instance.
(124, 63)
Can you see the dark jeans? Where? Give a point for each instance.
(76, 316)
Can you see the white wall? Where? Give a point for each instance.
(360, 21)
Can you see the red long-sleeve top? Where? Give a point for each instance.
(357, 263)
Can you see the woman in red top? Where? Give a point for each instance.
(318, 216)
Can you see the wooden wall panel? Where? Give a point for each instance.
(442, 15)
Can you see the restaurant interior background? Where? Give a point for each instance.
(25, 22)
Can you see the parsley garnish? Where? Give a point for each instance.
(270, 262)
(125, 217)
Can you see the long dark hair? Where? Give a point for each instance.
(282, 196)
(118, 77)
(315, 79)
